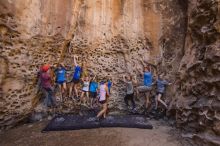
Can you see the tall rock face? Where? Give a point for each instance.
(112, 38)
(198, 81)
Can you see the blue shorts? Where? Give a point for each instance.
(61, 82)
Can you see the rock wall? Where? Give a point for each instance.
(198, 86)
(112, 37)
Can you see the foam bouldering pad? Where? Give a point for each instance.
(128, 121)
(77, 122)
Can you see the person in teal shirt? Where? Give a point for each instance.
(93, 87)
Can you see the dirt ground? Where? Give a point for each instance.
(30, 135)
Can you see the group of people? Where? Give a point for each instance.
(90, 90)
(93, 92)
(146, 88)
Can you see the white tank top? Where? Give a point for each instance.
(85, 86)
(102, 93)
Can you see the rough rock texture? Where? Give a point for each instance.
(197, 100)
(112, 37)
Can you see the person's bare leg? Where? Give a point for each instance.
(91, 102)
(147, 99)
(156, 102)
(87, 97)
(64, 88)
(104, 108)
(60, 88)
(82, 99)
(75, 89)
(161, 101)
(101, 112)
(70, 89)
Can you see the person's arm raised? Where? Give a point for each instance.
(135, 79)
(94, 77)
(74, 59)
(123, 76)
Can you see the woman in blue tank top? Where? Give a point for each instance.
(60, 72)
(93, 87)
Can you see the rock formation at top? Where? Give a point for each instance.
(178, 37)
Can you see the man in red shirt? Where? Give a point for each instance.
(47, 86)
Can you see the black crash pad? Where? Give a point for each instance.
(76, 122)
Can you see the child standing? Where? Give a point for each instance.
(160, 90)
(85, 90)
(93, 91)
(129, 90)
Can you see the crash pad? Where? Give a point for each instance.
(77, 122)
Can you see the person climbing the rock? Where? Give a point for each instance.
(103, 99)
(147, 87)
(161, 84)
(129, 90)
(60, 73)
(109, 85)
(85, 90)
(76, 78)
(47, 86)
(93, 91)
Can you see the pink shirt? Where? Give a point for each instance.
(102, 93)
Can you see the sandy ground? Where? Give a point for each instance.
(30, 135)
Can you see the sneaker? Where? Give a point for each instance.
(134, 109)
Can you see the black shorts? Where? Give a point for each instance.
(61, 82)
(160, 93)
(93, 94)
(75, 81)
(84, 91)
(129, 96)
(102, 102)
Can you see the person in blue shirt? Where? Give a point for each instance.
(147, 87)
(109, 85)
(161, 84)
(60, 73)
(93, 91)
(76, 79)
